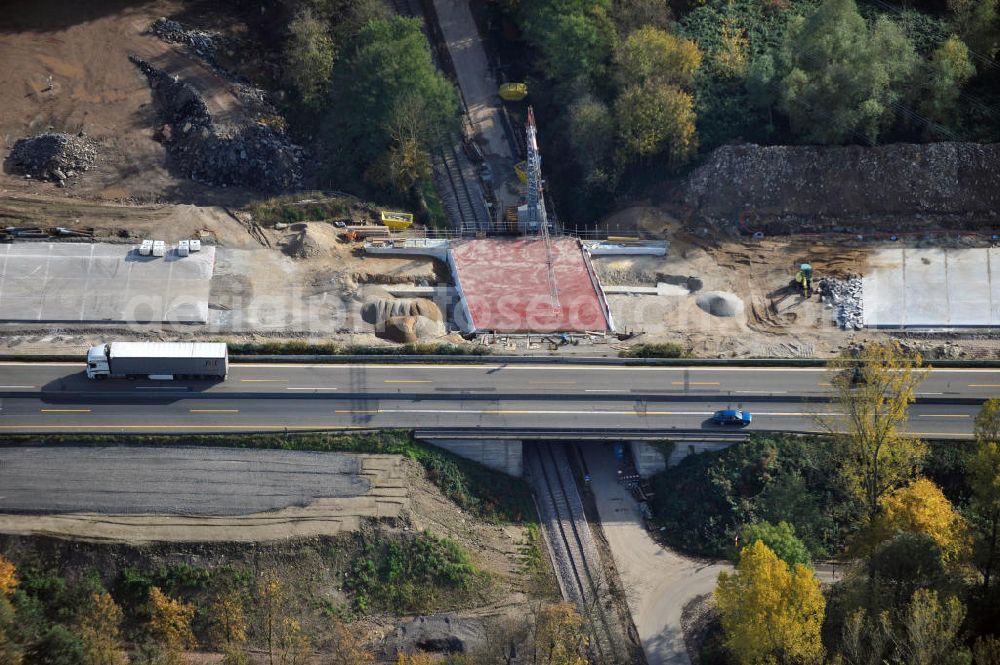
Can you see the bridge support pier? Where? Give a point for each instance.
(504, 455)
(648, 458)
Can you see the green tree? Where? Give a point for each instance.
(976, 22)
(575, 38)
(58, 646)
(650, 54)
(771, 613)
(839, 79)
(780, 538)
(631, 15)
(874, 454)
(385, 81)
(906, 562)
(657, 118)
(309, 56)
(984, 480)
(947, 70)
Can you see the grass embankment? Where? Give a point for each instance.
(306, 207)
(666, 350)
(303, 348)
(488, 495)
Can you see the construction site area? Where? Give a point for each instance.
(690, 268)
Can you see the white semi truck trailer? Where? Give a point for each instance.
(158, 360)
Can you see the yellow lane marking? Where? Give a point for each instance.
(827, 383)
(215, 410)
(695, 383)
(944, 415)
(407, 381)
(263, 380)
(65, 410)
(984, 385)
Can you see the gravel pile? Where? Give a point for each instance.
(845, 297)
(256, 156)
(171, 31)
(55, 157)
(720, 303)
(817, 188)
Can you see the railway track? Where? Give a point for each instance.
(456, 180)
(462, 195)
(573, 549)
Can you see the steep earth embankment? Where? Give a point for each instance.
(852, 188)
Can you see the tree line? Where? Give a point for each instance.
(635, 89)
(920, 585)
(244, 626)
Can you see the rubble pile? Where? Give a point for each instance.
(795, 189)
(845, 297)
(257, 156)
(171, 31)
(52, 156)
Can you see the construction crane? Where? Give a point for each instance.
(536, 217)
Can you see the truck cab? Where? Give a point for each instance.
(97, 362)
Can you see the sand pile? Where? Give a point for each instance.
(720, 303)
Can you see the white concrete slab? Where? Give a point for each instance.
(87, 282)
(932, 288)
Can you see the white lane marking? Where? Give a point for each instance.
(181, 388)
(930, 393)
(606, 390)
(2, 387)
(762, 392)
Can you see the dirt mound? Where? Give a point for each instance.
(411, 329)
(52, 156)
(310, 241)
(819, 188)
(720, 303)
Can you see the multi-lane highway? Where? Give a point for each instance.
(58, 397)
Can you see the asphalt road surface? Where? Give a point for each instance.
(256, 397)
(124, 480)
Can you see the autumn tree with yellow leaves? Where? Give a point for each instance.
(874, 393)
(560, 638)
(229, 628)
(771, 612)
(921, 507)
(99, 628)
(10, 653)
(285, 641)
(170, 625)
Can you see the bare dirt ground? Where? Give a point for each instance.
(776, 322)
(66, 69)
